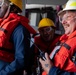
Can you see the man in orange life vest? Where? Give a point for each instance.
(47, 38)
(14, 42)
(64, 54)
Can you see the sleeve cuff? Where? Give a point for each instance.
(52, 70)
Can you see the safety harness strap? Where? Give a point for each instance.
(6, 50)
(4, 30)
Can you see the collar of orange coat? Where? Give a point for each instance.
(65, 37)
(21, 19)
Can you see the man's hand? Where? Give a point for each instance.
(46, 64)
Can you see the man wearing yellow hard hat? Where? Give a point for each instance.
(47, 38)
(46, 30)
(63, 56)
(14, 42)
(46, 26)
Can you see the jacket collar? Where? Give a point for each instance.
(65, 37)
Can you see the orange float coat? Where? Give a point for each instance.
(63, 58)
(6, 28)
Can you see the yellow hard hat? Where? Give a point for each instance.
(70, 5)
(45, 22)
(17, 3)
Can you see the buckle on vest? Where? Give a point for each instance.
(73, 58)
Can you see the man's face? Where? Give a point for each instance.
(3, 9)
(46, 33)
(69, 22)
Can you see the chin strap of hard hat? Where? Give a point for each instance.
(1, 2)
(8, 11)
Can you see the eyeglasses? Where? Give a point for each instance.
(67, 18)
(1, 2)
(47, 29)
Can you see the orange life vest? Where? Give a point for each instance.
(63, 58)
(6, 28)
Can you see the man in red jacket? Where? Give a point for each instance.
(47, 38)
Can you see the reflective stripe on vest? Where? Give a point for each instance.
(56, 49)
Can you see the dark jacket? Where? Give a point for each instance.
(56, 71)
